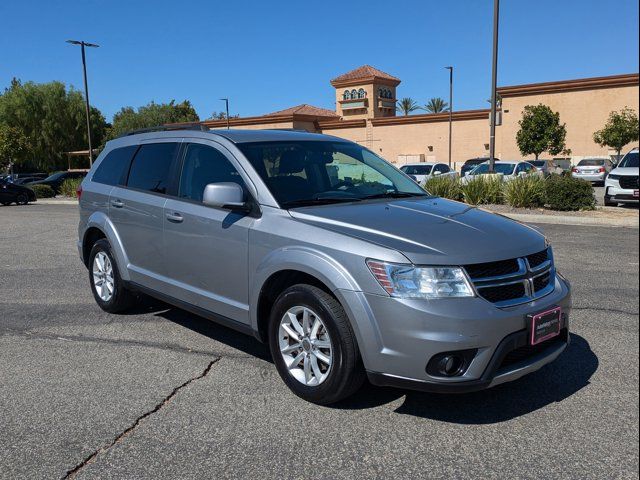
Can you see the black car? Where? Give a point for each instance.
(55, 180)
(12, 193)
(472, 163)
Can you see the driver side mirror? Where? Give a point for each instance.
(227, 195)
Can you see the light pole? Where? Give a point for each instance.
(83, 44)
(450, 109)
(494, 81)
(226, 102)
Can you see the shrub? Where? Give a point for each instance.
(483, 190)
(69, 187)
(445, 187)
(43, 191)
(525, 192)
(568, 194)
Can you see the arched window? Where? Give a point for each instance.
(346, 95)
(354, 93)
(362, 93)
(389, 95)
(381, 93)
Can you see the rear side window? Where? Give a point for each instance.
(150, 167)
(114, 165)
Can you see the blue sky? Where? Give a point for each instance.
(269, 55)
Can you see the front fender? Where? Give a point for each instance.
(102, 222)
(303, 259)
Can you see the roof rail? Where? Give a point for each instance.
(167, 128)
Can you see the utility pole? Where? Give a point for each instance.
(450, 68)
(83, 44)
(494, 83)
(226, 102)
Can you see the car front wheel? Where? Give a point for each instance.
(313, 346)
(22, 199)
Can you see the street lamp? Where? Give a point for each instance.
(226, 102)
(83, 44)
(450, 68)
(494, 80)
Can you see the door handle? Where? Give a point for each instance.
(117, 203)
(174, 217)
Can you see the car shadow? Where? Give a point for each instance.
(553, 383)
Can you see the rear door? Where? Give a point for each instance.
(206, 248)
(136, 210)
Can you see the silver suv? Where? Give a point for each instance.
(341, 263)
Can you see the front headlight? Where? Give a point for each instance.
(407, 281)
(613, 177)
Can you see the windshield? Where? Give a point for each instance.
(630, 160)
(303, 173)
(503, 168)
(416, 169)
(591, 162)
(54, 176)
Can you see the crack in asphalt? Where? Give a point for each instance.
(120, 437)
(606, 310)
(112, 341)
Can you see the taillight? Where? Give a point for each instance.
(79, 192)
(575, 170)
(602, 170)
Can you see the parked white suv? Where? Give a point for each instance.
(423, 171)
(621, 186)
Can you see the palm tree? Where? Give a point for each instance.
(436, 105)
(407, 105)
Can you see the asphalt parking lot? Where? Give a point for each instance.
(159, 393)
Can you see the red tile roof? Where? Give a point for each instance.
(364, 72)
(304, 109)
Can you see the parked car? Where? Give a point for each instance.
(424, 171)
(13, 193)
(473, 163)
(25, 180)
(594, 170)
(546, 167)
(350, 274)
(621, 185)
(55, 180)
(507, 170)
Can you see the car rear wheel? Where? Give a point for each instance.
(313, 346)
(22, 199)
(107, 286)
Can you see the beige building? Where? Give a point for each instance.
(365, 113)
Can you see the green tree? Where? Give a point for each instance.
(53, 120)
(221, 116)
(620, 130)
(13, 146)
(151, 115)
(436, 105)
(540, 131)
(406, 106)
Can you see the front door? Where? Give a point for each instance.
(206, 248)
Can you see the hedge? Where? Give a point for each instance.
(43, 191)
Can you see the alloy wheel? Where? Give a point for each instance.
(103, 276)
(305, 346)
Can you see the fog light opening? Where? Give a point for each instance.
(451, 365)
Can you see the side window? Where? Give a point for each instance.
(150, 167)
(112, 168)
(203, 165)
(442, 168)
(520, 168)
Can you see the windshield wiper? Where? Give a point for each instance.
(317, 201)
(394, 195)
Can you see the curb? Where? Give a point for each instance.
(567, 220)
(53, 201)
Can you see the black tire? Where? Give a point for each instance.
(6, 204)
(22, 199)
(608, 202)
(347, 372)
(122, 298)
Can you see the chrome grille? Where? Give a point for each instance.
(514, 281)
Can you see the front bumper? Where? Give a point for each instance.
(620, 195)
(398, 337)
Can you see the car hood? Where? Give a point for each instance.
(428, 231)
(625, 171)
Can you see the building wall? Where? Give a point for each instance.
(584, 112)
